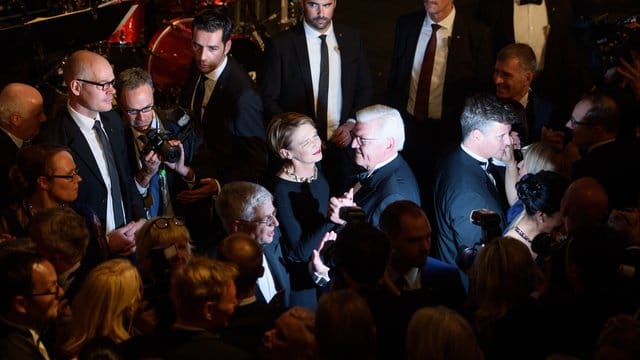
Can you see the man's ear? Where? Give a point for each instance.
(235, 226)
(208, 310)
(74, 87)
(529, 76)
(227, 47)
(476, 135)
(15, 120)
(19, 304)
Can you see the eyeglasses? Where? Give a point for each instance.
(575, 122)
(163, 223)
(305, 144)
(362, 140)
(69, 177)
(269, 220)
(101, 86)
(55, 292)
(144, 110)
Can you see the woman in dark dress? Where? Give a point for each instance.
(301, 195)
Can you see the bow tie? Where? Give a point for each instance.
(527, 2)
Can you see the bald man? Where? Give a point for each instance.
(95, 135)
(21, 113)
(585, 203)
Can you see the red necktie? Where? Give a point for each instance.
(421, 109)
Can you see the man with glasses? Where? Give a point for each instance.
(247, 207)
(378, 136)
(95, 135)
(30, 298)
(600, 153)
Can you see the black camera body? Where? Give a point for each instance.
(158, 141)
(490, 222)
(350, 214)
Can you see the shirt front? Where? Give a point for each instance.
(531, 26)
(210, 79)
(334, 100)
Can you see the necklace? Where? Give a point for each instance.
(289, 172)
(522, 234)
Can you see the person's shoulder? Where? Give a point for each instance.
(411, 17)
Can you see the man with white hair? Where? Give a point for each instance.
(377, 137)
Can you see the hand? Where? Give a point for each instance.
(318, 266)
(388, 284)
(122, 241)
(631, 73)
(336, 203)
(208, 189)
(552, 137)
(342, 136)
(179, 165)
(150, 165)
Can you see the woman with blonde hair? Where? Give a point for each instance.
(439, 333)
(104, 306)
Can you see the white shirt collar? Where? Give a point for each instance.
(313, 33)
(477, 157)
(446, 23)
(16, 140)
(379, 165)
(215, 74)
(85, 123)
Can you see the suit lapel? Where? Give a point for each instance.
(300, 45)
(80, 147)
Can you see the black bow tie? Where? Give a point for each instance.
(527, 2)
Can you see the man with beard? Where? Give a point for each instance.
(319, 69)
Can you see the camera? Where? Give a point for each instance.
(350, 214)
(490, 222)
(158, 141)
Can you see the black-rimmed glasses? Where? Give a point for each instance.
(55, 292)
(101, 86)
(163, 223)
(144, 110)
(362, 140)
(575, 122)
(69, 177)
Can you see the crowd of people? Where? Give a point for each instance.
(487, 208)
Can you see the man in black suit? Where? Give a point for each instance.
(21, 114)
(95, 135)
(613, 162)
(512, 75)
(378, 136)
(467, 179)
(546, 26)
(248, 207)
(293, 79)
(226, 104)
(431, 76)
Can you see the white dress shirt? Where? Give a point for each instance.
(266, 284)
(439, 64)
(531, 26)
(210, 80)
(334, 100)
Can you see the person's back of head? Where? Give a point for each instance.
(585, 203)
(292, 337)
(344, 327)
(604, 112)
(440, 333)
(361, 256)
(619, 339)
(540, 156)
(541, 191)
(245, 253)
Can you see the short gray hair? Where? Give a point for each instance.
(133, 78)
(481, 110)
(238, 200)
(389, 120)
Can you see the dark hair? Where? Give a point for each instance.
(16, 275)
(211, 20)
(482, 109)
(61, 232)
(390, 218)
(541, 191)
(32, 162)
(362, 252)
(603, 111)
(100, 348)
(523, 52)
(243, 251)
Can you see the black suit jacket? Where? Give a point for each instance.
(275, 260)
(469, 62)
(8, 149)
(390, 183)
(461, 186)
(232, 125)
(17, 343)
(92, 191)
(286, 84)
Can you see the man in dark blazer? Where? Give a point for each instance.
(291, 75)
(21, 113)
(462, 65)
(225, 103)
(564, 76)
(248, 207)
(90, 80)
(377, 137)
(466, 179)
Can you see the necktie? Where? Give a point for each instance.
(526, 2)
(421, 109)
(116, 194)
(323, 88)
(198, 98)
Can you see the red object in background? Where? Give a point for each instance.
(170, 55)
(132, 31)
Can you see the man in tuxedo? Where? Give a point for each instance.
(467, 179)
(226, 105)
(248, 207)
(21, 113)
(546, 26)
(95, 135)
(613, 162)
(319, 68)
(513, 73)
(440, 56)
(378, 136)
